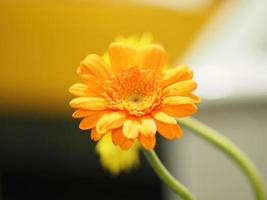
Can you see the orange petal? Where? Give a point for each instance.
(180, 88)
(153, 57)
(130, 128)
(177, 100)
(148, 142)
(94, 84)
(78, 89)
(89, 103)
(82, 90)
(163, 117)
(195, 98)
(95, 136)
(90, 122)
(182, 72)
(93, 64)
(119, 139)
(83, 113)
(180, 111)
(148, 126)
(110, 120)
(117, 136)
(127, 143)
(122, 56)
(169, 131)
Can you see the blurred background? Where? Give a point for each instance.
(43, 154)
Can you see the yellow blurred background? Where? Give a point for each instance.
(43, 42)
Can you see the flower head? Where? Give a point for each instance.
(131, 95)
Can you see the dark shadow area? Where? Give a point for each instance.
(45, 158)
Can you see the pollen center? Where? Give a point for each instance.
(135, 98)
(134, 90)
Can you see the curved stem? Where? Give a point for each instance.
(166, 177)
(229, 149)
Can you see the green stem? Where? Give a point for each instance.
(229, 149)
(166, 177)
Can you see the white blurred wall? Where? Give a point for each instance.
(207, 172)
(230, 61)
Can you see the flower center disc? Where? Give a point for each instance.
(135, 98)
(135, 90)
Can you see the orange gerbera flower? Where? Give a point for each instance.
(133, 97)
